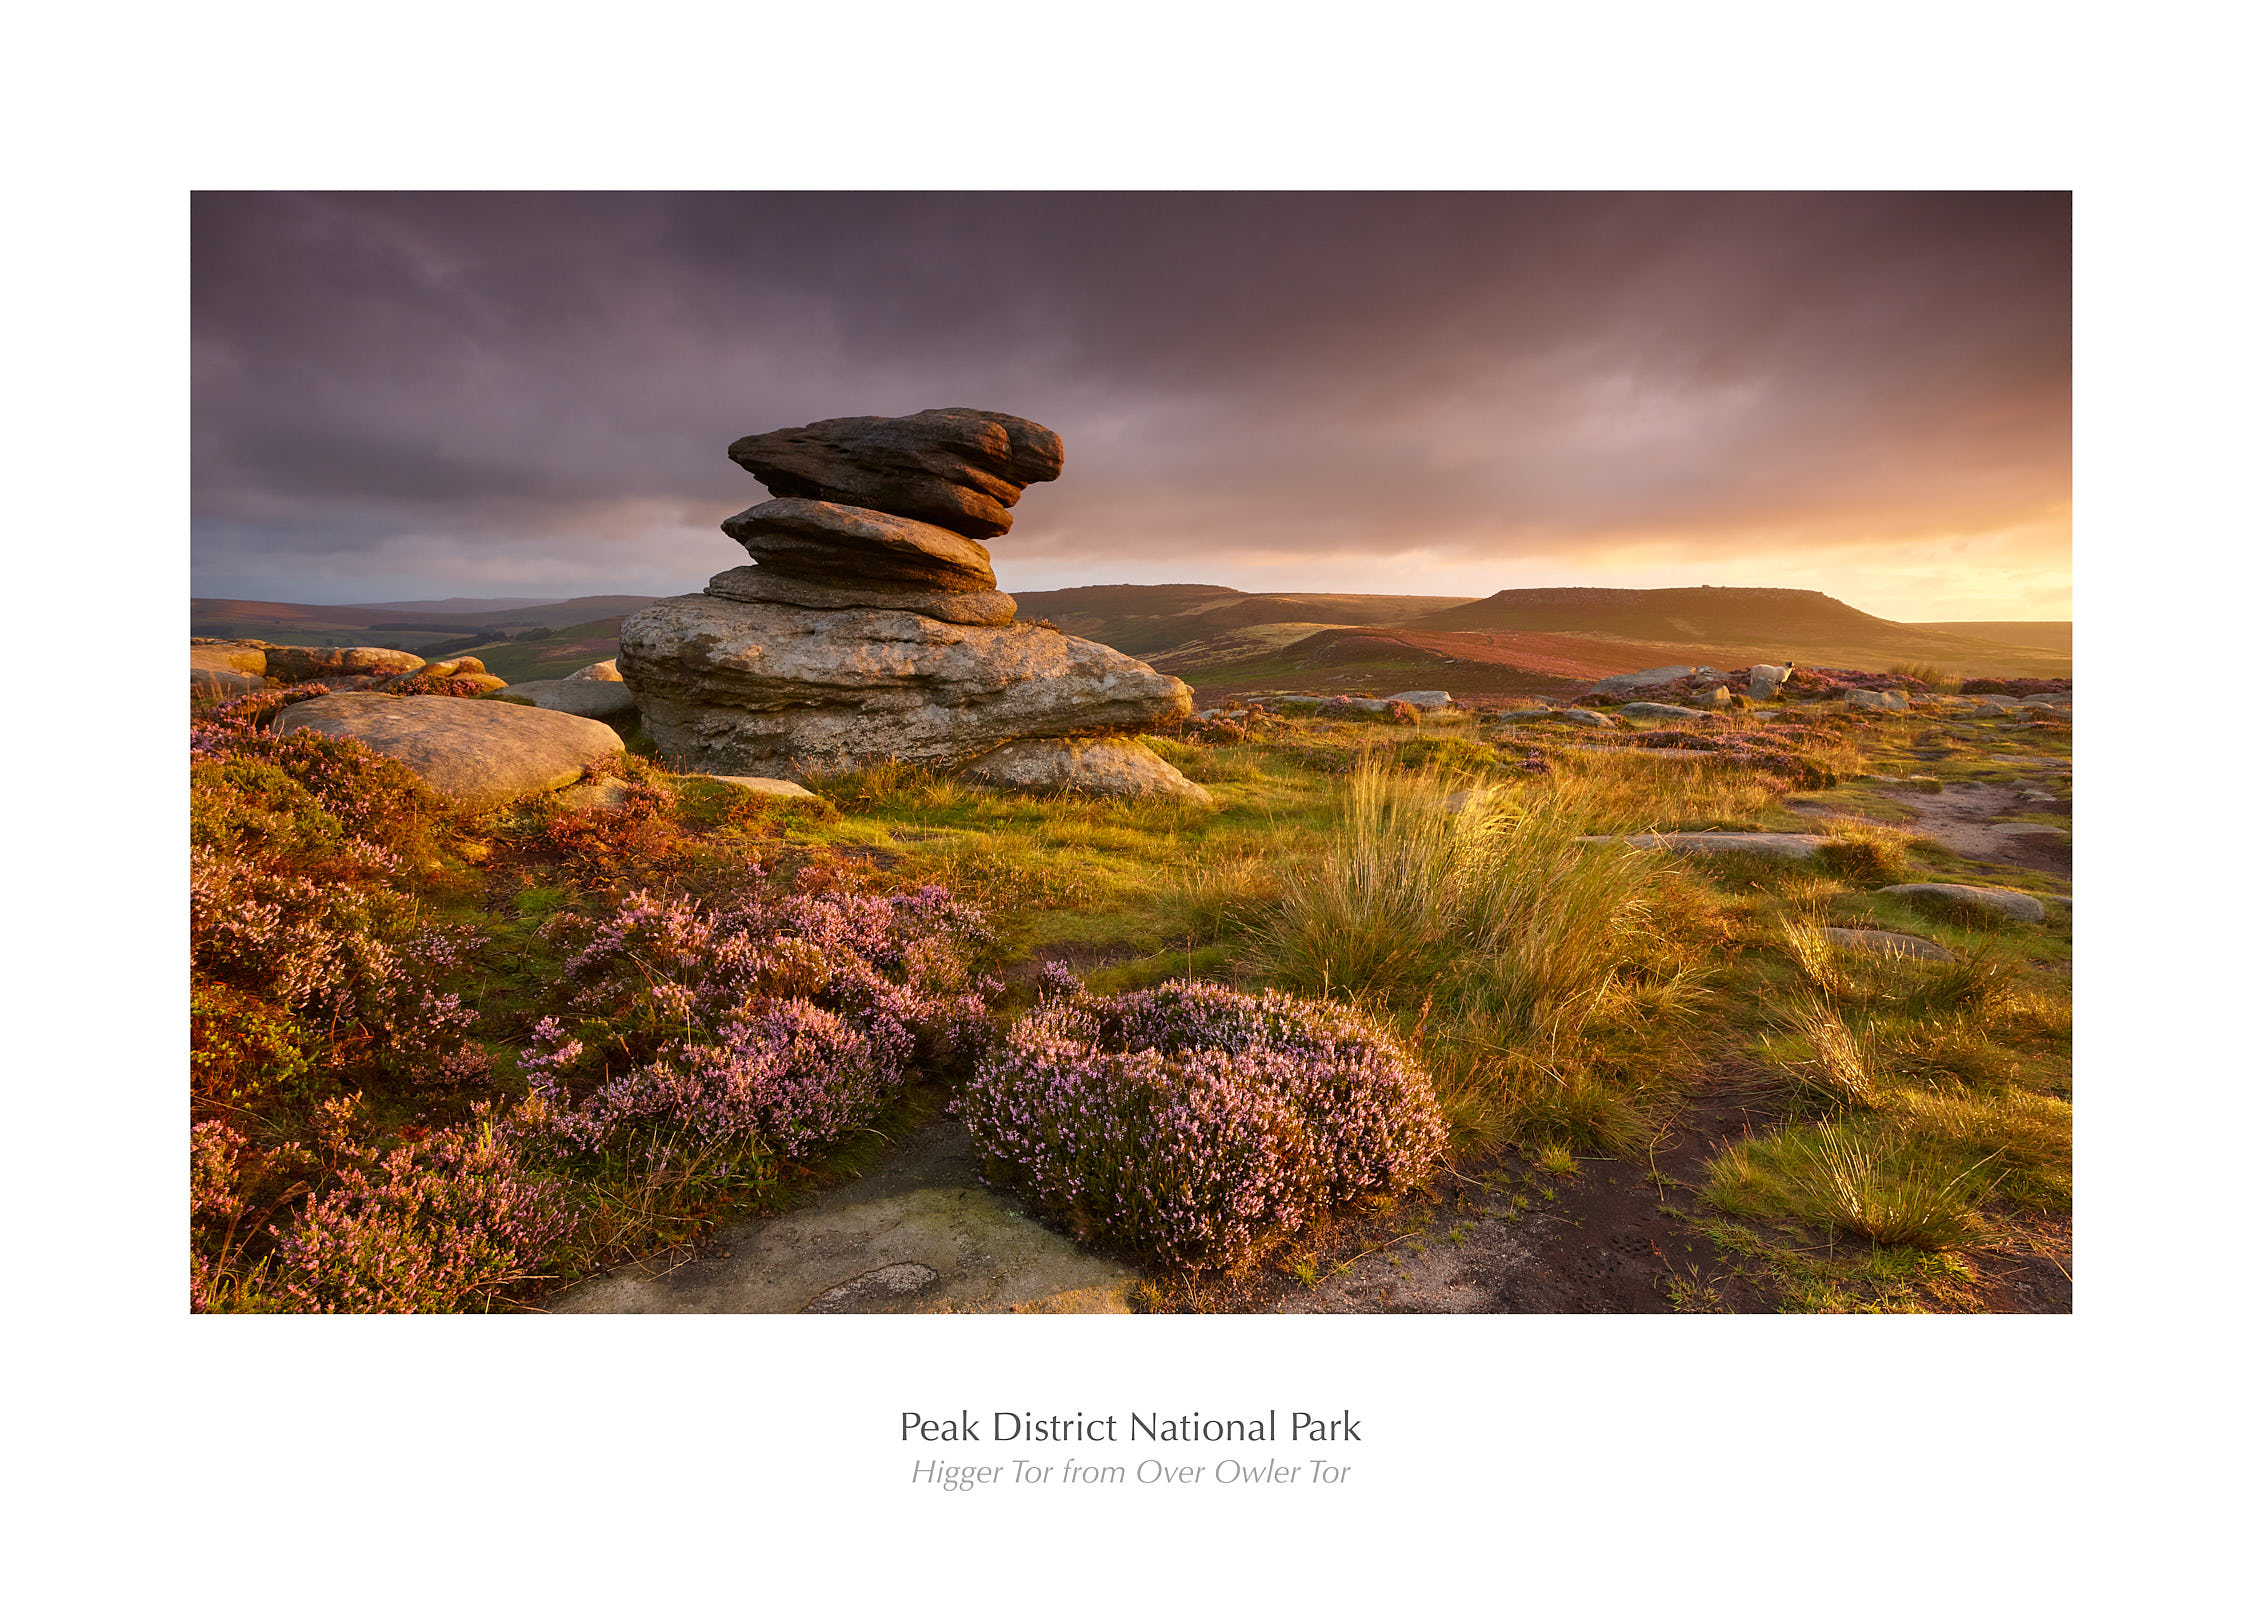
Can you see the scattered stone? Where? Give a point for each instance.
(881, 1289)
(772, 788)
(1648, 678)
(1586, 718)
(984, 608)
(1874, 700)
(597, 672)
(1426, 699)
(1767, 681)
(577, 697)
(1115, 768)
(819, 543)
(1900, 944)
(294, 663)
(957, 468)
(1353, 702)
(452, 666)
(1529, 716)
(2004, 902)
(1659, 709)
(480, 753)
(1789, 846)
(1718, 695)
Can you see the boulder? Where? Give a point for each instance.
(1718, 695)
(823, 543)
(771, 690)
(1767, 681)
(1352, 702)
(296, 663)
(585, 697)
(229, 655)
(957, 468)
(1877, 700)
(1116, 768)
(485, 682)
(454, 665)
(597, 672)
(480, 753)
(1648, 678)
(1878, 939)
(1584, 717)
(979, 608)
(1426, 699)
(1660, 710)
(2004, 902)
(219, 683)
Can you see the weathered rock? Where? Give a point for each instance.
(454, 665)
(1648, 678)
(480, 753)
(1353, 702)
(596, 794)
(1877, 700)
(770, 788)
(584, 697)
(229, 655)
(485, 682)
(774, 690)
(1900, 944)
(1426, 699)
(957, 468)
(1767, 681)
(1789, 846)
(2004, 902)
(1659, 710)
(219, 683)
(979, 608)
(1115, 768)
(295, 663)
(819, 542)
(597, 672)
(1718, 695)
(1584, 717)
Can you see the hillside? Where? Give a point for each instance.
(1143, 619)
(2057, 636)
(411, 625)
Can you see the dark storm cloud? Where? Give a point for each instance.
(516, 390)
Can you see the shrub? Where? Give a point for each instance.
(1191, 1125)
(1868, 856)
(782, 1022)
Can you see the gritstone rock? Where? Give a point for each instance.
(295, 663)
(597, 672)
(774, 690)
(957, 468)
(480, 753)
(821, 543)
(2004, 902)
(577, 697)
(1648, 678)
(1120, 768)
(1878, 939)
(979, 608)
(1426, 699)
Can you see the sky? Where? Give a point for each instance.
(405, 396)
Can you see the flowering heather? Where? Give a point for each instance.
(442, 1224)
(784, 1021)
(1191, 1125)
(2017, 686)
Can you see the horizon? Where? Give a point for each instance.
(1865, 395)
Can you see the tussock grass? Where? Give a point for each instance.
(1861, 1178)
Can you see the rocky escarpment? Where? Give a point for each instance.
(870, 627)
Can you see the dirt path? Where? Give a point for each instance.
(1960, 819)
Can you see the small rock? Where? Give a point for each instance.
(2004, 902)
(1902, 944)
(1661, 711)
(1116, 768)
(1426, 699)
(453, 665)
(1718, 695)
(596, 672)
(1649, 677)
(774, 788)
(878, 1290)
(1584, 717)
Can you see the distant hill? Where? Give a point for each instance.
(1142, 619)
(2057, 636)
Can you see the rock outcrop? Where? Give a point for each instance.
(297, 663)
(870, 627)
(480, 753)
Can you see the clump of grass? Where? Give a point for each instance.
(1818, 1050)
(1221, 895)
(1871, 857)
(1863, 1178)
(1927, 673)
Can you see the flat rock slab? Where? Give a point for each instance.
(820, 542)
(1658, 710)
(1878, 939)
(1789, 846)
(480, 753)
(921, 1234)
(1106, 768)
(576, 697)
(978, 608)
(2004, 902)
(771, 788)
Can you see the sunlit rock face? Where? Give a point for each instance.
(870, 627)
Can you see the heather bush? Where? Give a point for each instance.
(1191, 1125)
(2017, 686)
(782, 1021)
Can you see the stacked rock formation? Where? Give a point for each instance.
(871, 628)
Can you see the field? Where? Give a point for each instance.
(1665, 1086)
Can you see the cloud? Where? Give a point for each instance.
(536, 390)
